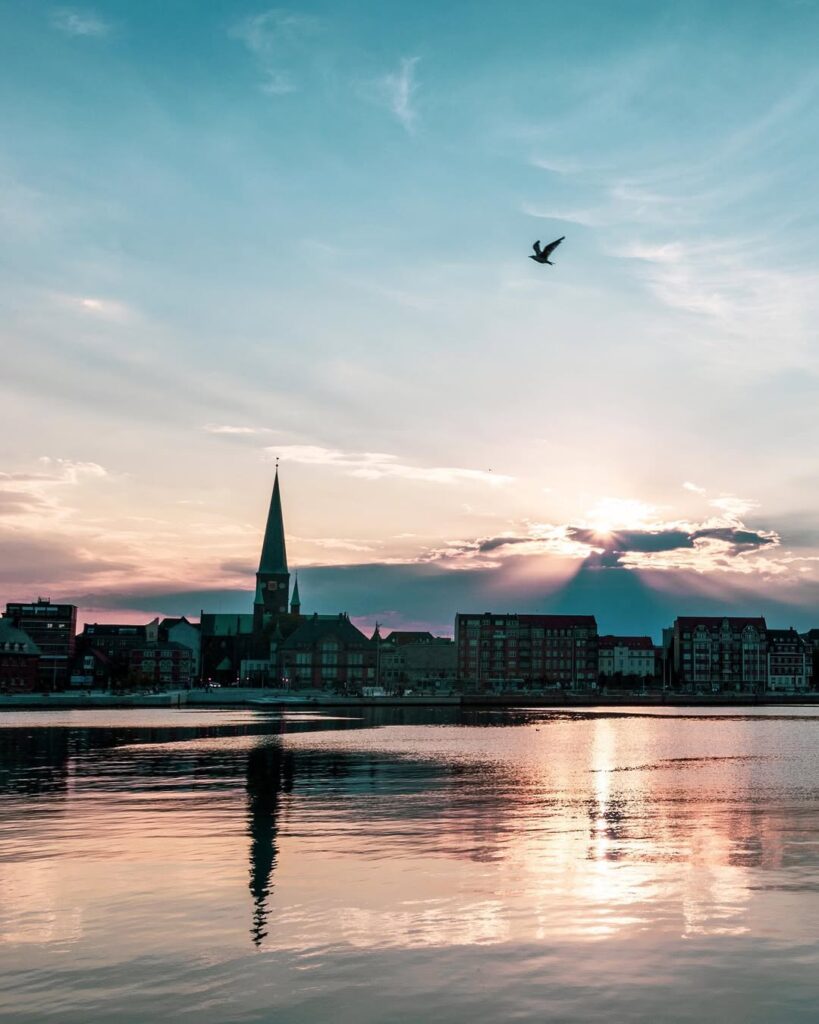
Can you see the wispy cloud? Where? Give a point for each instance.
(378, 465)
(76, 21)
(396, 91)
(588, 218)
(694, 488)
(227, 428)
(276, 38)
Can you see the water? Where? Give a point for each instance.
(409, 866)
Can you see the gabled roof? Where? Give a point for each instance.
(409, 636)
(11, 634)
(784, 635)
(315, 628)
(274, 553)
(170, 623)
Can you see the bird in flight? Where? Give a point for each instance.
(542, 255)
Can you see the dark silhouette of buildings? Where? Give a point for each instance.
(52, 628)
(19, 659)
(275, 645)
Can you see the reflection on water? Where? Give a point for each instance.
(409, 864)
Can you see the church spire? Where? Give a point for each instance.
(274, 552)
(295, 602)
(272, 579)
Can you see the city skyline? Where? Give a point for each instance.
(246, 233)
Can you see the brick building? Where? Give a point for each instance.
(52, 629)
(162, 664)
(716, 653)
(327, 651)
(19, 660)
(103, 652)
(497, 651)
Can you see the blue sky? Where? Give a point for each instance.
(230, 232)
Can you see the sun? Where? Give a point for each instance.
(611, 514)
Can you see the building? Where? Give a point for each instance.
(189, 634)
(19, 660)
(713, 653)
(162, 664)
(789, 661)
(327, 651)
(227, 641)
(275, 645)
(626, 658)
(52, 628)
(96, 671)
(530, 651)
(811, 641)
(114, 642)
(400, 637)
(410, 660)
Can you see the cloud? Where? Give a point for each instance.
(226, 428)
(26, 561)
(266, 34)
(724, 282)
(378, 465)
(275, 38)
(588, 218)
(278, 83)
(721, 543)
(78, 22)
(688, 486)
(396, 91)
(33, 497)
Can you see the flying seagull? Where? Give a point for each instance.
(542, 255)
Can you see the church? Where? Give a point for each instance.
(274, 644)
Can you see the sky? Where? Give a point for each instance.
(230, 233)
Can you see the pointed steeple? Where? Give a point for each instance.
(295, 602)
(274, 552)
(272, 579)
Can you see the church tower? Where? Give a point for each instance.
(272, 579)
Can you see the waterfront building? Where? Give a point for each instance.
(19, 659)
(719, 653)
(789, 661)
(95, 670)
(410, 660)
(498, 651)
(811, 642)
(189, 634)
(327, 651)
(52, 629)
(103, 651)
(626, 657)
(162, 664)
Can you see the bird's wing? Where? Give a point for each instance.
(550, 248)
(536, 247)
